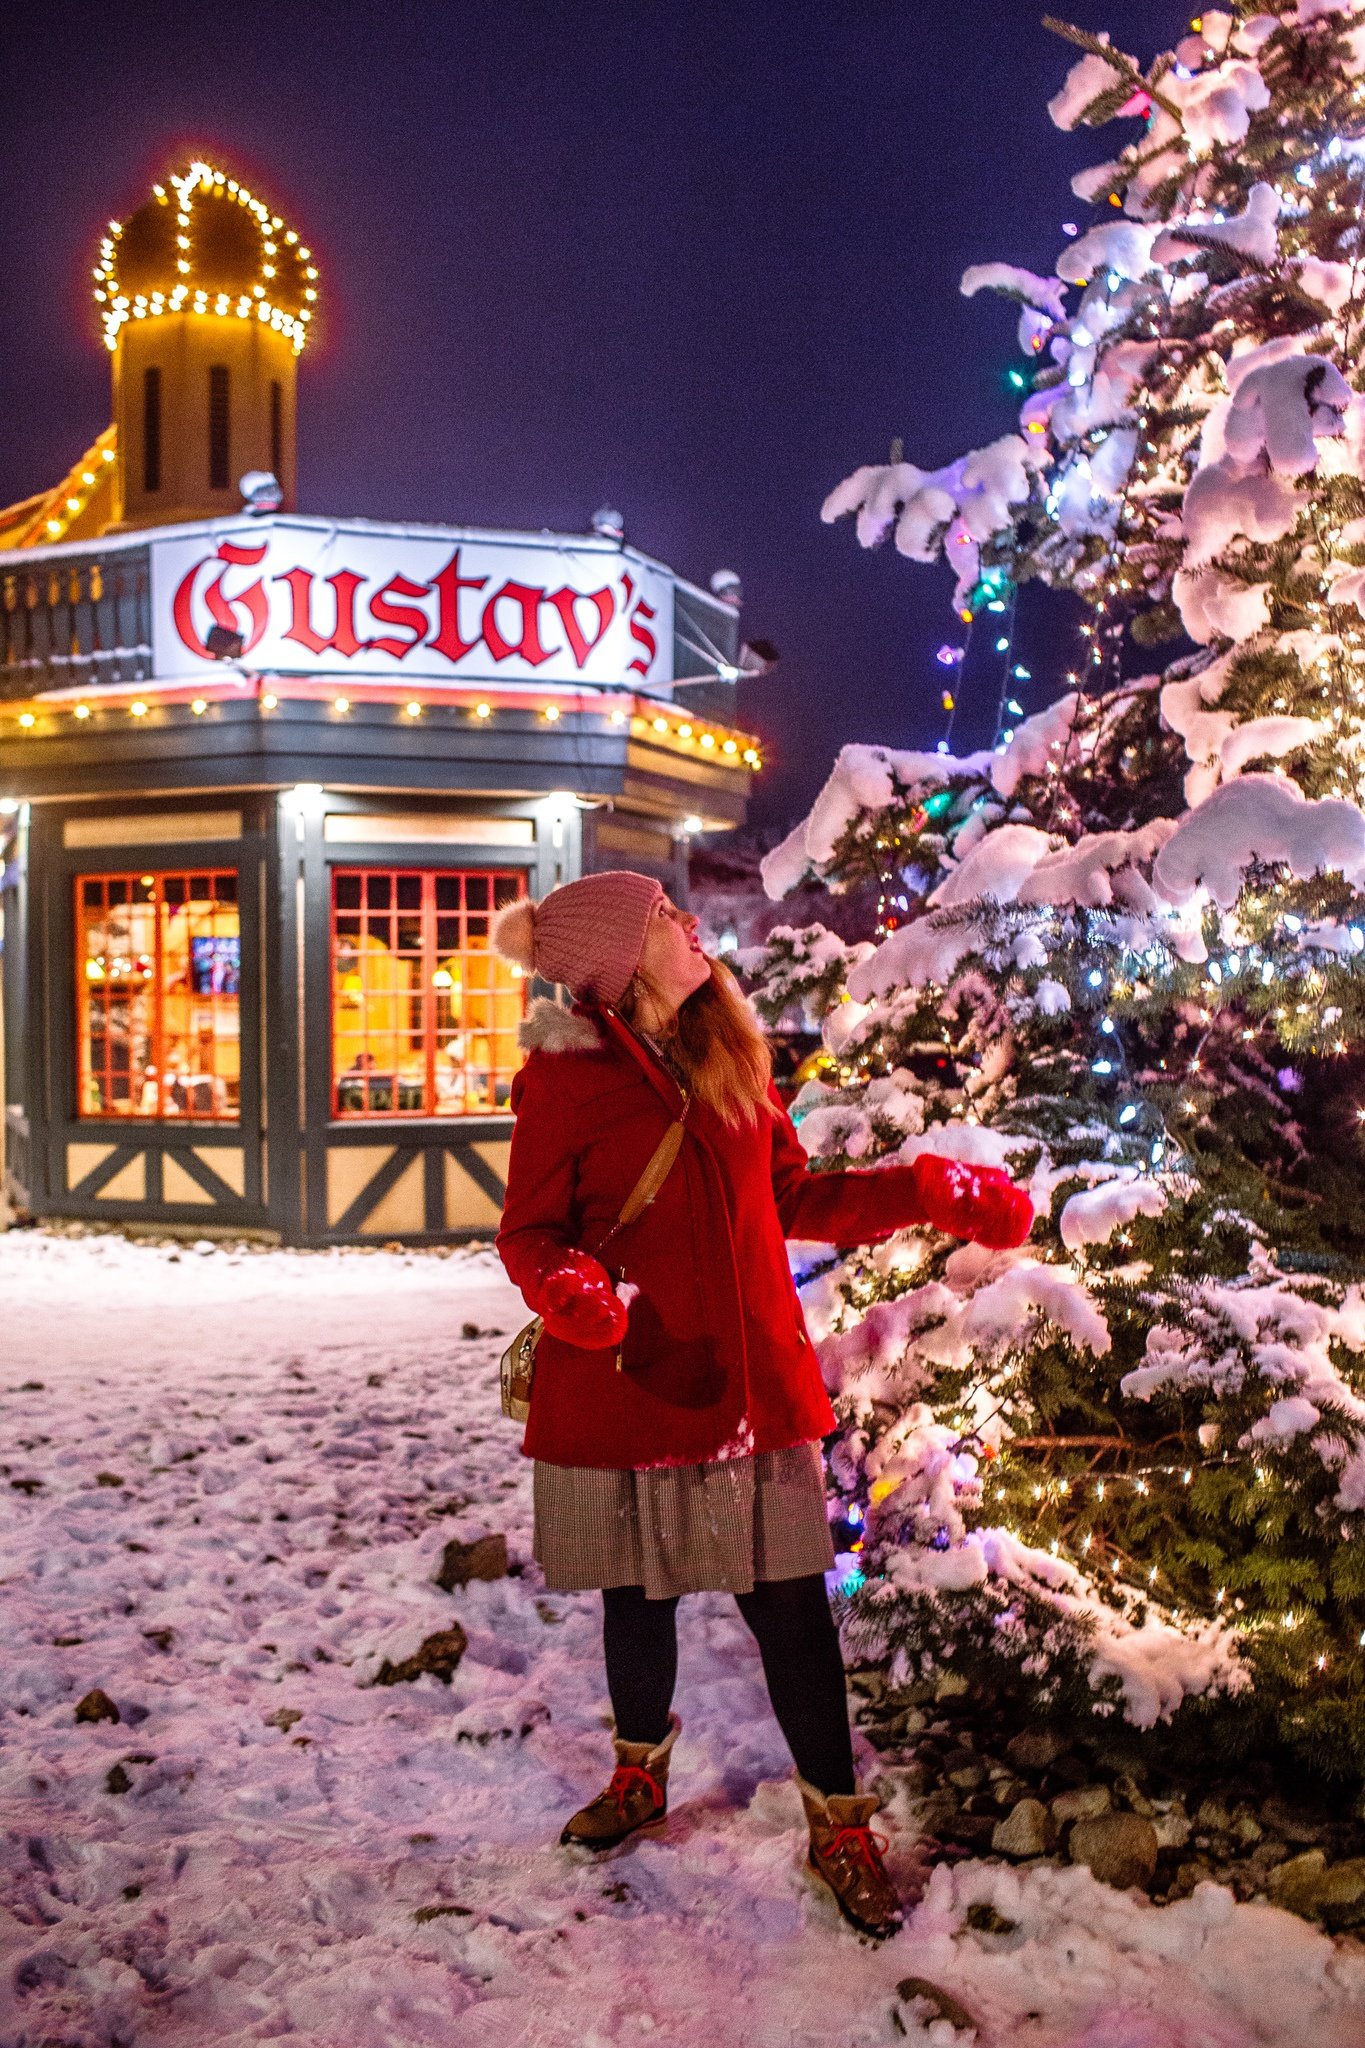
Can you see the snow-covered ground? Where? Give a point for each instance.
(301, 1854)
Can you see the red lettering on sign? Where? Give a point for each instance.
(564, 602)
(448, 639)
(386, 613)
(342, 639)
(528, 602)
(642, 636)
(222, 609)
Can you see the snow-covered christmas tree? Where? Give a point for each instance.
(1122, 952)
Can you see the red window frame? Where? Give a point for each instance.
(191, 1096)
(410, 916)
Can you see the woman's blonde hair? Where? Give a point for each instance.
(716, 1045)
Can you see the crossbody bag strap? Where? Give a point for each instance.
(657, 1169)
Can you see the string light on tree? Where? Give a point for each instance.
(1134, 922)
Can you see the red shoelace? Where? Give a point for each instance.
(625, 1777)
(866, 1845)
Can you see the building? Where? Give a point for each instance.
(264, 778)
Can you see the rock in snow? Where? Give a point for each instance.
(484, 1558)
(293, 1855)
(1120, 1848)
(436, 1656)
(96, 1706)
(1026, 1830)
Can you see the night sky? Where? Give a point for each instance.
(696, 260)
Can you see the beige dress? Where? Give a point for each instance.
(717, 1527)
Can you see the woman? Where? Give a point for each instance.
(677, 1408)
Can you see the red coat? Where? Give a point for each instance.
(716, 1359)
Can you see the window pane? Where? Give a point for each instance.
(424, 1017)
(158, 996)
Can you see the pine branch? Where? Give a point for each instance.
(1115, 59)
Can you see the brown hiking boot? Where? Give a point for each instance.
(847, 1853)
(636, 1800)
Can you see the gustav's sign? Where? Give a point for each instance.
(354, 601)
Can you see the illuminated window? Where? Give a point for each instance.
(220, 419)
(158, 963)
(276, 430)
(424, 1014)
(151, 429)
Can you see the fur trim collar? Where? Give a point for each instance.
(549, 1027)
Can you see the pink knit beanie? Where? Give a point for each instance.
(587, 934)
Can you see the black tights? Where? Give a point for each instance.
(802, 1663)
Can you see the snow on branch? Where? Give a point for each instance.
(1016, 283)
(1093, 1216)
(995, 869)
(1155, 1665)
(1225, 500)
(1249, 234)
(1121, 248)
(863, 780)
(1100, 870)
(1233, 1336)
(1215, 106)
(1085, 97)
(1284, 408)
(1258, 818)
(951, 511)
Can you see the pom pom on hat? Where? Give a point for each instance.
(514, 934)
(587, 935)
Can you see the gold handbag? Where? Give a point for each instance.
(518, 1363)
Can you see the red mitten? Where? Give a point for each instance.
(976, 1202)
(1002, 1214)
(579, 1304)
(938, 1183)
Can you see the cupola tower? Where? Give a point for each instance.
(205, 296)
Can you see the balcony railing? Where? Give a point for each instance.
(76, 622)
